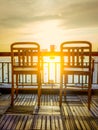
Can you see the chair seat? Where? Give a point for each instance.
(77, 71)
(22, 70)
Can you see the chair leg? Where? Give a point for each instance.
(89, 98)
(61, 87)
(12, 97)
(39, 95)
(39, 89)
(16, 92)
(12, 92)
(89, 92)
(16, 85)
(60, 102)
(65, 82)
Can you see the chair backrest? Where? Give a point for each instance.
(76, 55)
(25, 54)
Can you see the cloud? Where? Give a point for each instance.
(72, 14)
(80, 14)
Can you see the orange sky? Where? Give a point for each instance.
(48, 22)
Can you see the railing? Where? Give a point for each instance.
(50, 69)
(5, 68)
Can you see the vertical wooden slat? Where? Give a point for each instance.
(69, 61)
(2, 72)
(77, 58)
(73, 57)
(82, 58)
(19, 58)
(8, 72)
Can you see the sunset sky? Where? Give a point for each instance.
(48, 22)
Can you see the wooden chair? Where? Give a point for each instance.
(25, 58)
(76, 67)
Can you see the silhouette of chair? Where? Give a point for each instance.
(26, 74)
(76, 67)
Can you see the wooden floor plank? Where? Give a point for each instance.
(25, 119)
(75, 119)
(47, 122)
(28, 123)
(43, 122)
(10, 125)
(53, 122)
(38, 124)
(15, 123)
(19, 123)
(3, 121)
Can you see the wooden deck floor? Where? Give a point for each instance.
(25, 115)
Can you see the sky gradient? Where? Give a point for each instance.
(48, 22)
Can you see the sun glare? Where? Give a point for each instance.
(49, 32)
(50, 64)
